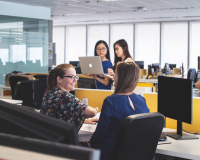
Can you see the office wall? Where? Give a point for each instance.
(23, 45)
(22, 10)
(159, 42)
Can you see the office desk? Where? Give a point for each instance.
(2, 88)
(11, 101)
(189, 149)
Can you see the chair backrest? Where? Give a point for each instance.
(198, 76)
(191, 70)
(24, 91)
(13, 81)
(39, 88)
(138, 137)
(40, 76)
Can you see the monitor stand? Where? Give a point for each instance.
(179, 135)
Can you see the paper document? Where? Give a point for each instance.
(88, 127)
(97, 115)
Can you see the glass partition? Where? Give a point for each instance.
(23, 45)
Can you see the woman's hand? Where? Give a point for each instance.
(110, 71)
(92, 76)
(91, 120)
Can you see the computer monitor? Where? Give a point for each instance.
(155, 66)
(175, 97)
(16, 147)
(140, 64)
(88, 83)
(77, 66)
(149, 72)
(171, 66)
(17, 120)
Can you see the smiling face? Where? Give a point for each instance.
(101, 50)
(67, 83)
(119, 51)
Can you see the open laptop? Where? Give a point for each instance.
(91, 65)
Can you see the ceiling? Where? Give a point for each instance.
(70, 12)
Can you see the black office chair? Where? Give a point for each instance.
(13, 81)
(193, 72)
(24, 92)
(39, 88)
(40, 76)
(138, 137)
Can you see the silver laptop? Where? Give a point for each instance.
(91, 65)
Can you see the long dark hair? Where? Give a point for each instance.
(128, 77)
(54, 73)
(122, 43)
(108, 52)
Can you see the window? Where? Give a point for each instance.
(58, 38)
(147, 43)
(75, 43)
(121, 31)
(194, 44)
(174, 44)
(96, 33)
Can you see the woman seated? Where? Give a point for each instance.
(117, 107)
(59, 103)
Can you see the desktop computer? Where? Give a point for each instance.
(175, 97)
(140, 64)
(76, 65)
(88, 83)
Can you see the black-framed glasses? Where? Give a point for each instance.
(103, 49)
(72, 77)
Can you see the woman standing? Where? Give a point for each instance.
(121, 53)
(117, 107)
(59, 103)
(101, 49)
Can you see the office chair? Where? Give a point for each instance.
(24, 92)
(13, 81)
(40, 76)
(138, 137)
(190, 71)
(39, 88)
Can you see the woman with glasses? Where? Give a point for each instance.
(117, 107)
(101, 49)
(59, 103)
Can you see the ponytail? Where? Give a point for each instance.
(54, 73)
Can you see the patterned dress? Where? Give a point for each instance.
(63, 105)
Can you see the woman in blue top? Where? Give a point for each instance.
(101, 49)
(117, 107)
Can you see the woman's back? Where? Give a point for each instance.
(114, 110)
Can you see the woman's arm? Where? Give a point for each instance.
(90, 111)
(104, 81)
(197, 84)
(103, 126)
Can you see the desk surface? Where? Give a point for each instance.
(11, 101)
(189, 149)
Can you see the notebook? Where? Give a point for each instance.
(91, 65)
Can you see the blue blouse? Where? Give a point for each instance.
(114, 110)
(105, 64)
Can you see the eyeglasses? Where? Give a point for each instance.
(72, 77)
(103, 49)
